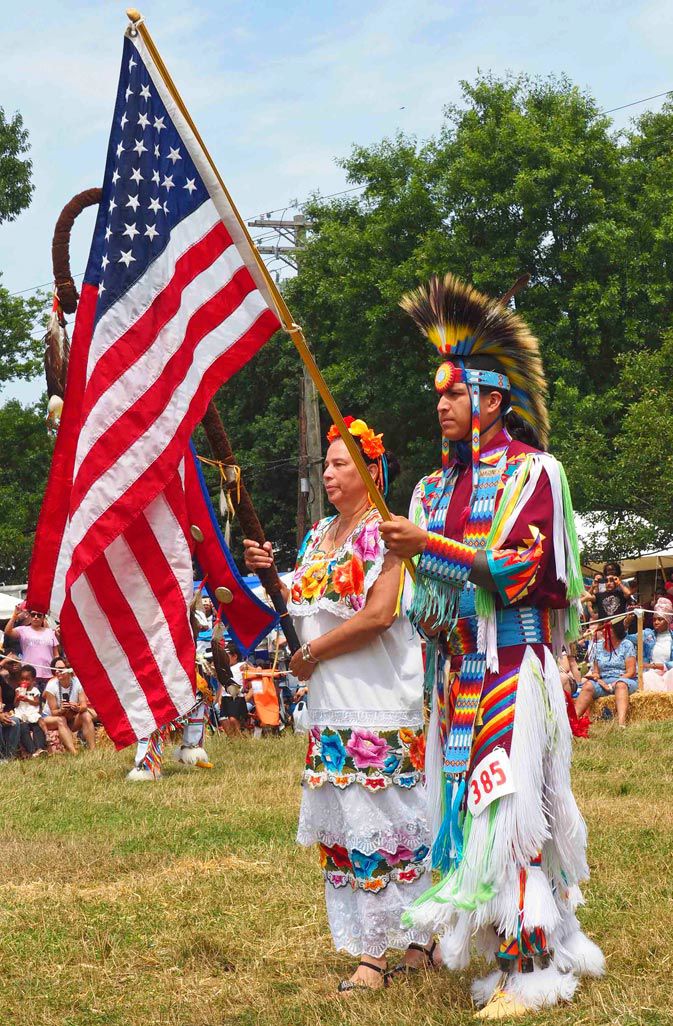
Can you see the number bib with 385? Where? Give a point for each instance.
(491, 778)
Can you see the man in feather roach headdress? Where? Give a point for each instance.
(496, 596)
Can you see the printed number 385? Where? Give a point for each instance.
(493, 774)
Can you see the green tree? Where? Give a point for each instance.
(525, 175)
(18, 350)
(27, 450)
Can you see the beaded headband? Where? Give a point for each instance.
(448, 374)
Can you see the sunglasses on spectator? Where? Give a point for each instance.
(34, 613)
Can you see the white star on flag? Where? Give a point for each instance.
(120, 150)
(140, 147)
(130, 230)
(156, 151)
(155, 205)
(104, 261)
(124, 120)
(159, 124)
(136, 176)
(132, 64)
(168, 182)
(151, 232)
(108, 233)
(145, 92)
(174, 155)
(129, 92)
(112, 205)
(115, 176)
(143, 120)
(133, 202)
(189, 186)
(126, 258)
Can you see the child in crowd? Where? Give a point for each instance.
(32, 737)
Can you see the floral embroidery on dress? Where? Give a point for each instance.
(373, 758)
(338, 581)
(373, 872)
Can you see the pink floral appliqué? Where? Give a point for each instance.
(367, 749)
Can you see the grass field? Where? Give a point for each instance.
(187, 902)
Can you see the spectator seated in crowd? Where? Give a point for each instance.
(569, 671)
(588, 599)
(613, 672)
(39, 643)
(27, 710)
(292, 692)
(68, 710)
(233, 706)
(10, 727)
(658, 648)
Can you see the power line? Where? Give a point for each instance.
(344, 192)
(270, 235)
(635, 103)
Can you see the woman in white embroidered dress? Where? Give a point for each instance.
(363, 798)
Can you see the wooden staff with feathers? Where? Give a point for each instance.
(57, 348)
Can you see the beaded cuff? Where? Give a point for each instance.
(446, 560)
(443, 570)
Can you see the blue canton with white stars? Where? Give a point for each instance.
(150, 185)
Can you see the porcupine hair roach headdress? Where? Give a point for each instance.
(462, 323)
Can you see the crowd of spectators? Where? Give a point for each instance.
(44, 707)
(604, 662)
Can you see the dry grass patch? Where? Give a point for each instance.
(187, 903)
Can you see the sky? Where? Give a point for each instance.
(281, 91)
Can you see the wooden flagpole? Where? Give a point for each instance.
(294, 330)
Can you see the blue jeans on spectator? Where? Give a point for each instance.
(9, 738)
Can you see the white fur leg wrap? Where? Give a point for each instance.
(190, 756)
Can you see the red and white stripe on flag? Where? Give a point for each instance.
(172, 305)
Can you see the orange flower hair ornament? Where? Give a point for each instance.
(372, 444)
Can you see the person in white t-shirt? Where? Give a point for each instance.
(33, 739)
(68, 707)
(233, 708)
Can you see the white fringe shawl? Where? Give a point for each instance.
(540, 816)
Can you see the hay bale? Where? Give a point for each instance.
(643, 705)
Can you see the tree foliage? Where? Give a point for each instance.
(27, 450)
(525, 175)
(18, 350)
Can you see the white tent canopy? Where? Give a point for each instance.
(7, 604)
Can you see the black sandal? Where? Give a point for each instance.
(403, 968)
(347, 985)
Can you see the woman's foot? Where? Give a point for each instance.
(369, 975)
(417, 957)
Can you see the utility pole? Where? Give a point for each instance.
(303, 483)
(310, 501)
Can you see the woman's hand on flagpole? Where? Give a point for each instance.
(403, 538)
(256, 556)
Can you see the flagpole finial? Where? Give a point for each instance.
(133, 14)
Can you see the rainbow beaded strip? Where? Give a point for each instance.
(459, 743)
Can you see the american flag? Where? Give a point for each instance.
(173, 304)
